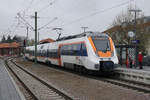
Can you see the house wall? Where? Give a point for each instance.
(10, 51)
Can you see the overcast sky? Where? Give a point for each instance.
(71, 15)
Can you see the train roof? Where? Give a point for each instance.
(90, 33)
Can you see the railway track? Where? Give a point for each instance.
(138, 86)
(134, 85)
(38, 88)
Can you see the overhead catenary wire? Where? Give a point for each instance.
(49, 4)
(27, 23)
(48, 23)
(26, 9)
(16, 26)
(75, 21)
(98, 12)
(29, 6)
(31, 2)
(11, 30)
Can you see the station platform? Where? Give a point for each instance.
(134, 74)
(145, 68)
(8, 88)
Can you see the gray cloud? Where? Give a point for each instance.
(67, 11)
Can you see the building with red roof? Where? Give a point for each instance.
(7, 49)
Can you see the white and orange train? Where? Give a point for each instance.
(86, 51)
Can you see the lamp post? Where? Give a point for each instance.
(136, 52)
(135, 12)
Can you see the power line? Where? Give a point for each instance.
(98, 12)
(48, 23)
(24, 11)
(12, 30)
(50, 4)
(25, 21)
(28, 6)
(16, 27)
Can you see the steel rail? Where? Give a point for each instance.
(60, 93)
(134, 85)
(128, 84)
(23, 84)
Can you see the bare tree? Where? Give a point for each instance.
(123, 23)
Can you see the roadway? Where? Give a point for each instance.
(8, 88)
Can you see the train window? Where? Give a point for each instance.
(101, 44)
(65, 47)
(74, 46)
(70, 50)
(52, 53)
(74, 49)
(83, 50)
(78, 47)
(42, 47)
(69, 47)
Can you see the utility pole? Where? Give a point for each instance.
(135, 12)
(27, 36)
(38, 36)
(84, 29)
(35, 53)
(136, 52)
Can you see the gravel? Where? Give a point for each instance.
(82, 88)
(41, 91)
(22, 89)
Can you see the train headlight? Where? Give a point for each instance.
(96, 66)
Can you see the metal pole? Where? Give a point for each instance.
(38, 37)
(135, 23)
(136, 51)
(27, 36)
(35, 53)
(84, 29)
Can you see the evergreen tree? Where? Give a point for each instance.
(9, 39)
(3, 39)
(15, 39)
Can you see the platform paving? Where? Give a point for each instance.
(8, 88)
(145, 68)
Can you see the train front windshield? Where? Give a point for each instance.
(101, 44)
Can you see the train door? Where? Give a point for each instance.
(81, 58)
